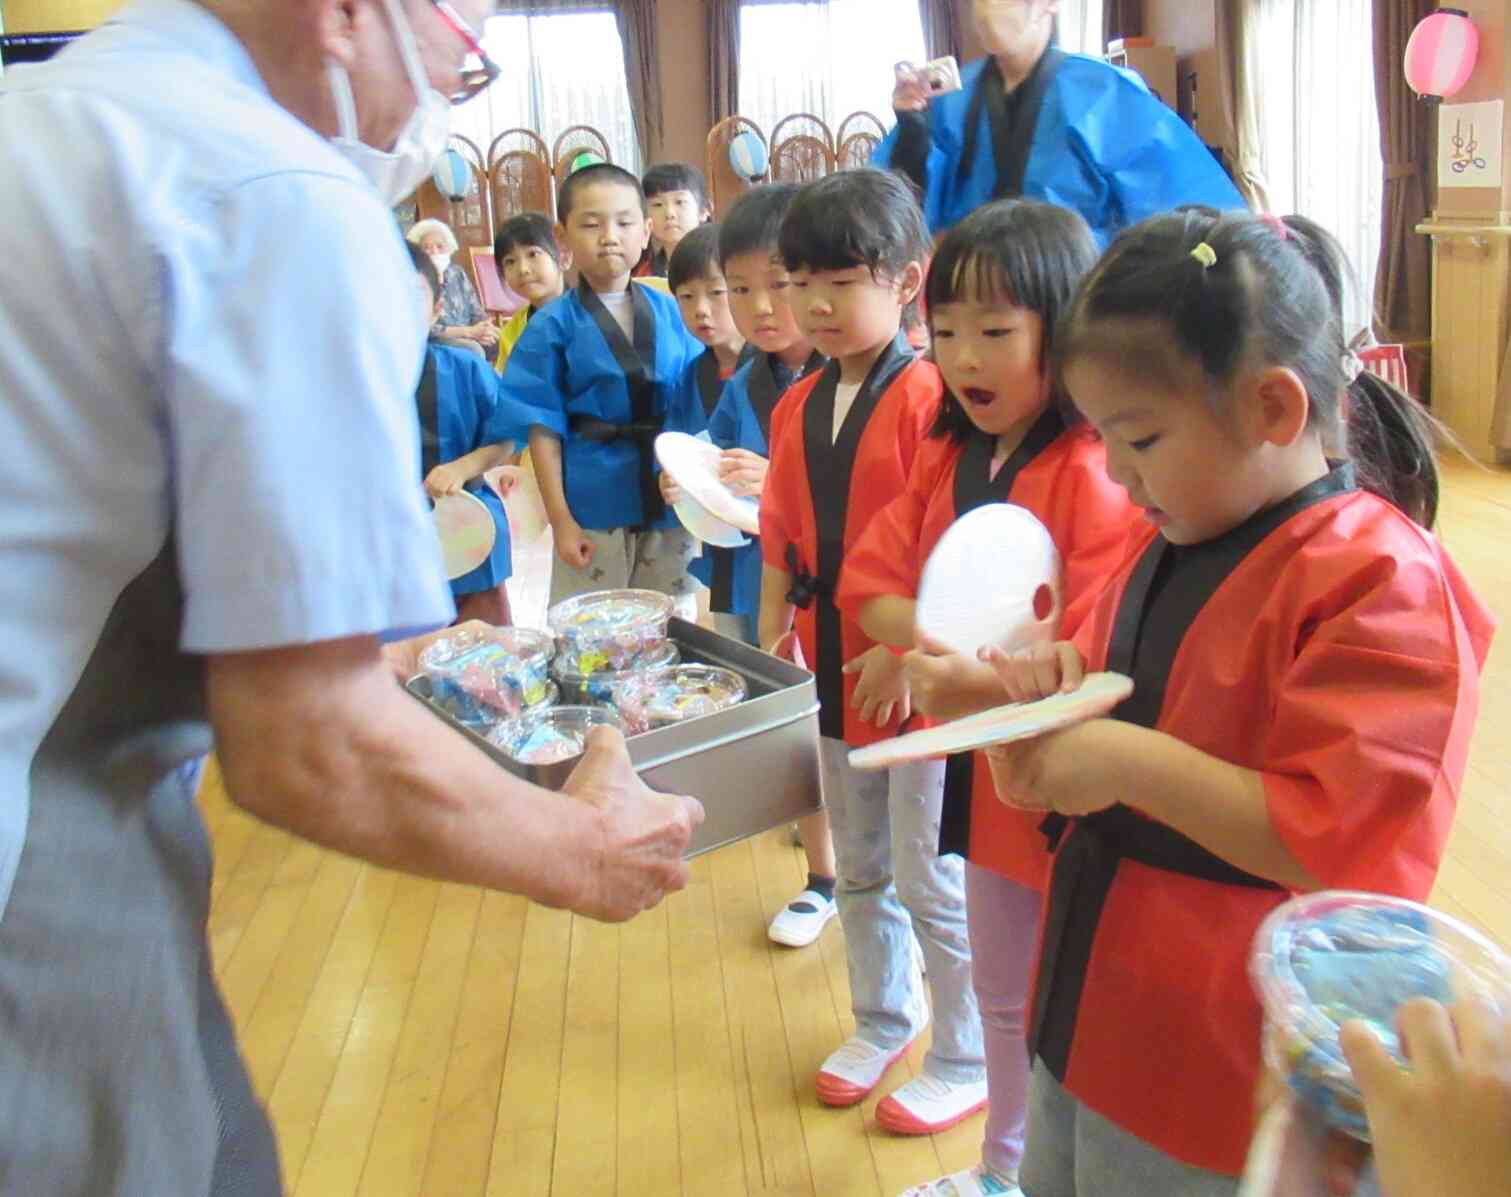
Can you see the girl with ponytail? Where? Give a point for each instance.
(1306, 661)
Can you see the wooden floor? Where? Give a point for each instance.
(416, 1038)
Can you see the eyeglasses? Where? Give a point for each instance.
(474, 78)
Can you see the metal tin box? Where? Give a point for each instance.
(754, 766)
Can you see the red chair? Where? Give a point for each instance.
(1387, 362)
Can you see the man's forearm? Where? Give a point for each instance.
(357, 765)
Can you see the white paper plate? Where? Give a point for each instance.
(466, 529)
(1098, 694)
(993, 578)
(697, 519)
(693, 464)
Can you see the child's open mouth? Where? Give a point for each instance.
(977, 397)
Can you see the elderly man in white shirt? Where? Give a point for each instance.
(209, 522)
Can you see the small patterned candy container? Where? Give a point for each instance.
(609, 630)
(480, 677)
(1324, 959)
(676, 695)
(604, 686)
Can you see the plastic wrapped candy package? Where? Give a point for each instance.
(480, 677)
(676, 695)
(610, 629)
(551, 735)
(604, 686)
(1323, 959)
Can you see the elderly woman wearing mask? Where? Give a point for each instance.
(464, 322)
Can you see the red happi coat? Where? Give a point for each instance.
(1332, 646)
(821, 494)
(1059, 475)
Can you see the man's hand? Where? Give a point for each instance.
(743, 472)
(670, 491)
(882, 690)
(636, 859)
(572, 544)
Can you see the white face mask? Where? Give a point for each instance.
(441, 262)
(396, 172)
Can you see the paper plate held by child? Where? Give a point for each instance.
(693, 464)
(993, 578)
(465, 527)
(1097, 694)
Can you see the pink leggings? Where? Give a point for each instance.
(1002, 918)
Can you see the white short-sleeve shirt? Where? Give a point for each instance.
(209, 331)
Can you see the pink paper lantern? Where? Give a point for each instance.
(1441, 52)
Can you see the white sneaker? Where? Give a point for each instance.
(979, 1181)
(799, 922)
(927, 1105)
(852, 1070)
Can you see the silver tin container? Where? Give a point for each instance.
(753, 766)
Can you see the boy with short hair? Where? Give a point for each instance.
(697, 283)
(676, 197)
(465, 430)
(600, 371)
(533, 266)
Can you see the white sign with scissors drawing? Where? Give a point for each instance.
(1469, 144)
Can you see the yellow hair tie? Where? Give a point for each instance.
(1205, 254)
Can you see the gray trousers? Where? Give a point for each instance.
(1075, 1152)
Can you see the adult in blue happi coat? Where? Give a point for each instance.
(1032, 120)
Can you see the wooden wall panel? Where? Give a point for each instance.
(1471, 312)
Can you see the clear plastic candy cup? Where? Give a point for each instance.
(549, 740)
(676, 695)
(1324, 959)
(480, 676)
(609, 629)
(604, 685)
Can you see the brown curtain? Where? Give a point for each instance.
(1237, 73)
(723, 59)
(637, 32)
(1403, 286)
(1122, 18)
(941, 27)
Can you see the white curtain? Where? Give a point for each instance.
(1319, 128)
(829, 58)
(558, 70)
(1081, 27)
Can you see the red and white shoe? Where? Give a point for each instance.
(926, 1105)
(853, 1069)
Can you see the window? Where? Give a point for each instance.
(829, 59)
(1319, 129)
(558, 70)
(1081, 27)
